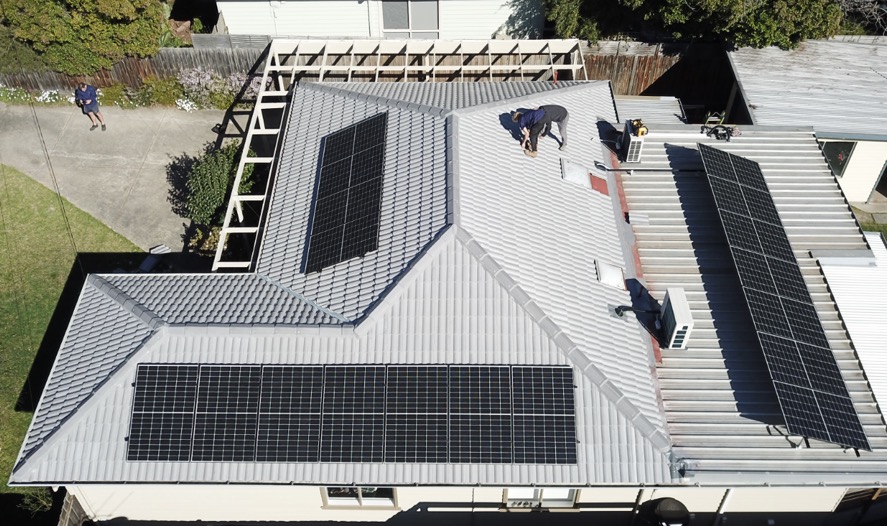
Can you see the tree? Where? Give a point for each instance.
(80, 37)
(756, 23)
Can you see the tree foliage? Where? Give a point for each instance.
(80, 37)
(210, 181)
(755, 23)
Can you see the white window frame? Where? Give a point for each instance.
(534, 498)
(358, 502)
(409, 30)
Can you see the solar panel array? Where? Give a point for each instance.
(354, 413)
(345, 221)
(808, 382)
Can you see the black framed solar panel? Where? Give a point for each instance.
(544, 439)
(807, 380)
(480, 389)
(354, 413)
(416, 438)
(481, 439)
(346, 213)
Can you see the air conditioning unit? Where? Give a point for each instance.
(677, 320)
(631, 143)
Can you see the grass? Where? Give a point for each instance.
(874, 227)
(36, 257)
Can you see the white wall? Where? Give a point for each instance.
(299, 18)
(863, 169)
(459, 19)
(305, 503)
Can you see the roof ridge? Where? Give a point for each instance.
(129, 303)
(302, 298)
(609, 389)
(570, 85)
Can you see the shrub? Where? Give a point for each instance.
(16, 57)
(115, 95)
(14, 95)
(36, 500)
(164, 91)
(210, 181)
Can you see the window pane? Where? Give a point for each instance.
(424, 15)
(430, 35)
(397, 35)
(395, 14)
(837, 154)
(521, 493)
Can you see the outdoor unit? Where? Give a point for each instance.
(632, 141)
(677, 321)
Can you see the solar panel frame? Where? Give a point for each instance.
(346, 215)
(358, 413)
(808, 382)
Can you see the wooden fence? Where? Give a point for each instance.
(687, 71)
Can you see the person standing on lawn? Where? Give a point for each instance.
(87, 99)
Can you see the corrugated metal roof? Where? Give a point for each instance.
(860, 289)
(512, 279)
(835, 86)
(719, 402)
(649, 109)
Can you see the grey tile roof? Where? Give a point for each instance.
(101, 336)
(717, 393)
(837, 86)
(485, 256)
(191, 299)
(452, 95)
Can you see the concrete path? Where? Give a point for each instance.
(118, 176)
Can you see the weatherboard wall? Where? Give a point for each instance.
(867, 162)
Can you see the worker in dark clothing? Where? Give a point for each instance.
(538, 121)
(559, 115)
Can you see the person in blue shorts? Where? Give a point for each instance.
(87, 99)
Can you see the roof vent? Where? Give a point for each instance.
(677, 320)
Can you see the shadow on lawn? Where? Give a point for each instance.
(84, 264)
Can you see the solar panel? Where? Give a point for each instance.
(480, 389)
(353, 413)
(226, 423)
(162, 420)
(480, 439)
(808, 382)
(345, 218)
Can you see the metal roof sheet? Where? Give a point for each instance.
(720, 406)
(649, 109)
(837, 86)
(859, 288)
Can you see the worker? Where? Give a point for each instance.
(538, 121)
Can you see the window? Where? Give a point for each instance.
(837, 154)
(359, 497)
(410, 19)
(540, 497)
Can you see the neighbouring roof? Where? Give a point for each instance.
(649, 109)
(838, 86)
(859, 285)
(485, 256)
(721, 409)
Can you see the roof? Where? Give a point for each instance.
(485, 257)
(722, 413)
(838, 86)
(859, 285)
(650, 109)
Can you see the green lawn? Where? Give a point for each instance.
(36, 257)
(874, 227)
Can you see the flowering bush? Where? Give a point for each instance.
(13, 94)
(186, 105)
(50, 96)
(207, 89)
